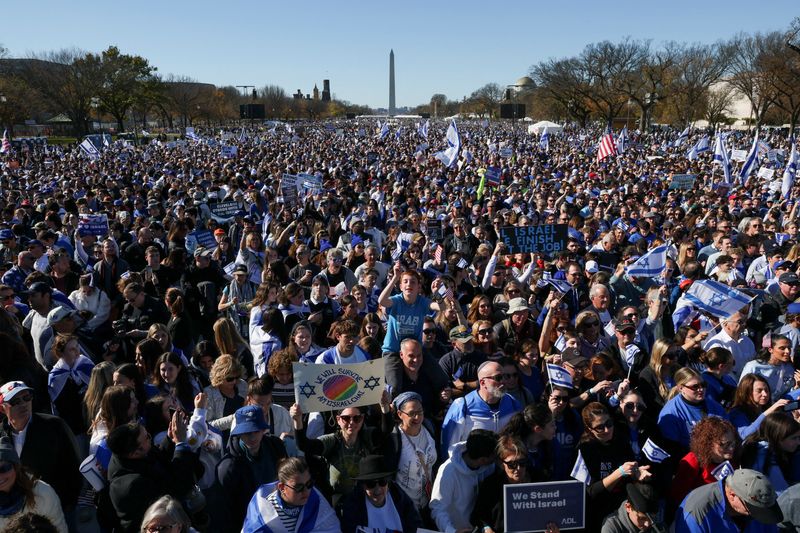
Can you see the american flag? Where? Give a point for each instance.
(608, 146)
(437, 253)
(6, 147)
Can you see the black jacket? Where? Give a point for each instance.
(51, 453)
(353, 510)
(238, 479)
(134, 484)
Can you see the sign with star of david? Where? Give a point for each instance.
(333, 387)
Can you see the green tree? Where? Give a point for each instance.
(124, 78)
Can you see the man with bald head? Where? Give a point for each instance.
(488, 407)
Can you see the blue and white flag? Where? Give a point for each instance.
(722, 471)
(89, 150)
(716, 298)
(781, 238)
(449, 156)
(790, 172)
(721, 157)
(750, 162)
(682, 137)
(398, 133)
(653, 452)
(559, 284)
(580, 471)
(651, 264)
(423, 129)
(384, 130)
(622, 140)
(559, 376)
(544, 141)
(699, 147)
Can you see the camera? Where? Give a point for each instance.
(120, 326)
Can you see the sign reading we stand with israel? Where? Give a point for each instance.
(531, 506)
(334, 387)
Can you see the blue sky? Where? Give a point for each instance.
(298, 44)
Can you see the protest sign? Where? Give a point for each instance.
(766, 173)
(531, 506)
(682, 181)
(332, 387)
(189, 131)
(506, 152)
(289, 189)
(548, 238)
(205, 239)
(435, 232)
(493, 176)
(309, 183)
(776, 156)
(225, 209)
(372, 157)
(93, 225)
(738, 155)
(228, 151)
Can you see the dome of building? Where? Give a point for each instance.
(525, 83)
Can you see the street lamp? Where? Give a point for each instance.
(3, 101)
(95, 103)
(649, 100)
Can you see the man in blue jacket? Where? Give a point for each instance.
(744, 501)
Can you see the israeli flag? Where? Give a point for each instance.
(384, 131)
(682, 137)
(651, 264)
(630, 354)
(622, 140)
(700, 146)
(653, 452)
(721, 157)
(716, 298)
(723, 470)
(580, 471)
(89, 150)
(781, 238)
(450, 155)
(559, 284)
(398, 133)
(559, 376)
(544, 141)
(423, 129)
(750, 162)
(790, 172)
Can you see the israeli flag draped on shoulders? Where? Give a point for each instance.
(450, 155)
(790, 172)
(651, 264)
(559, 376)
(80, 373)
(716, 298)
(721, 157)
(750, 162)
(580, 471)
(315, 516)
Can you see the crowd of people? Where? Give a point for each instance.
(147, 368)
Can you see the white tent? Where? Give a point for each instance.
(539, 127)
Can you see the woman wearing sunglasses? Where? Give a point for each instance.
(226, 393)
(609, 461)
(347, 446)
(632, 414)
(291, 504)
(22, 494)
(377, 503)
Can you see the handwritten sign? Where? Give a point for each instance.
(548, 238)
(228, 151)
(531, 506)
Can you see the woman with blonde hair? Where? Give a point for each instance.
(101, 378)
(226, 393)
(656, 380)
(686, 253)
(484, 338)
(228, 340)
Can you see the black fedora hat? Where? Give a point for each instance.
(373, 467)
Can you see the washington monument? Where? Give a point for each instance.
(392, 108)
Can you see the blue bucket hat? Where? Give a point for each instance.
(248, 419)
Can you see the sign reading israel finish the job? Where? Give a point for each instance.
(333, 387)
(547, 238)
(531, 506)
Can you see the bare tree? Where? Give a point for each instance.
(745, 72)
(487, 98)
(184, 96)
(781, 66)
(275, 100)
(564, 82)
(718, 104)
(697, 67)
(649, 83)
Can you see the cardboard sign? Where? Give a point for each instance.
(682, 181)
(332, 387)
(547, 238)
(738, 155)
(93, 225)
(531, 506)
(289, 189)
(225, 209)
(766, 173)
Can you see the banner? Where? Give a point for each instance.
(333, 387)
(93, 225)
(493, 176)
(547, 238)
(309, 183)
(682, 181)
(228, 151)
(225, 209)
(531, 506)
(506, 152)
(205, 239)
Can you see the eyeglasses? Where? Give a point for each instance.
(559, 399)
(6, 468)
(634, 407)
(697, 387)
(159, 529)
(412, 414)
(428, 331)
(496, 378)
(355, 419)
(231, 379)
(605, 426)
(516, 465)
(372, 483)
(514, 291)
(17, 400)
(486, 331)
(590, 323)
(302, 488)
(630, 316)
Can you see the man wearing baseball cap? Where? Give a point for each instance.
(743, 501)
(44, 443)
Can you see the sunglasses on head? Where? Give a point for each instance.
(351, 418)
(372, 483)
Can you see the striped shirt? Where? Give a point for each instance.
(288, 515)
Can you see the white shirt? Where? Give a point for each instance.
(19, 438)
(383, 518)
(743, 350)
